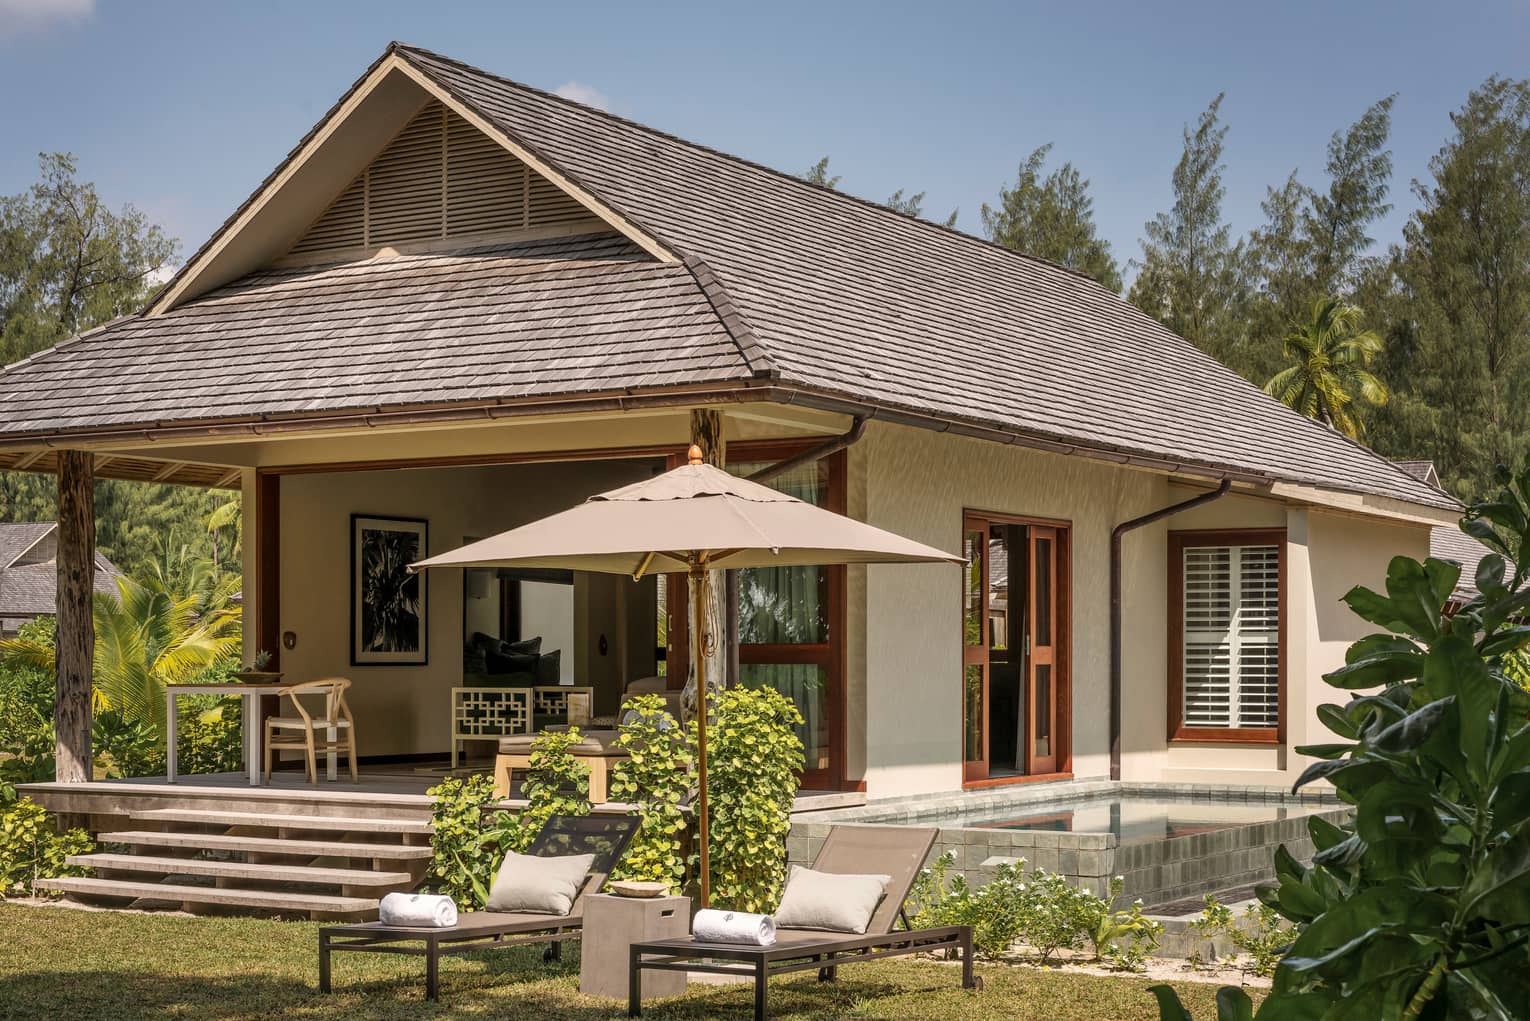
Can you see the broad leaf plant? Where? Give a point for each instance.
(1419, 908)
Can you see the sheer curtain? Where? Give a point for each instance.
(789, 606)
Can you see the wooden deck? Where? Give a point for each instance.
(396, 792)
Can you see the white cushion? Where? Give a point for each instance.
(544, 886)
(829, 900)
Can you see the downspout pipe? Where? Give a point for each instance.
(813, 454)
(1116, 535)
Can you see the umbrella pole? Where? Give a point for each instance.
(698, 656)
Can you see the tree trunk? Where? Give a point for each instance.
(76, 627)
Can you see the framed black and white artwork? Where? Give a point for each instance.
(388, 603)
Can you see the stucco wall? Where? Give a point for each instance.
(404, 710)
(918, 483)
(904, 696)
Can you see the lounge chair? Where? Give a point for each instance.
(895, 851)
(605, 836)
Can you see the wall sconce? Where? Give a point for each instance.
(289, 640)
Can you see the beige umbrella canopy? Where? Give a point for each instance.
(691, 520)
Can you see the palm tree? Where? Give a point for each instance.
(1331, 373)
(146, 637)
(226, 515)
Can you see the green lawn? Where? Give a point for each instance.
(65, 963)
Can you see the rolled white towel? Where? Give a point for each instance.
(417, 911)
(712, 926)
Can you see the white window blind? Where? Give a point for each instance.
(1231, 664)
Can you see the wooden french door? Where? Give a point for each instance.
(1014, 648)
(1040, 664)
(975, 646)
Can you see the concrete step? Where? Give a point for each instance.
(197, 816)
(248, 871)
(270, 900)
(268, 845)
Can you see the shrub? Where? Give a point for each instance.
(657, 776)
(1420, 906)
(208, 736)
(29, 756)
(1041, 911)
(471, 835)
(32, 848)
(754, 759)
(1261, 935)
(465, 853)
(1122, 938)
(556, 784)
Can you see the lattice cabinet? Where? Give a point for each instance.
(487, 714)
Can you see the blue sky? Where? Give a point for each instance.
(182, 108)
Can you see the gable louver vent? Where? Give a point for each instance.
(439, 178)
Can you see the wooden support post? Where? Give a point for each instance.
(707, 433)
(76, 626)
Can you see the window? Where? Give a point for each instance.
(790, 619)
(1226, 636)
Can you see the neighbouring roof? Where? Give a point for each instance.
(1454, 544)
(16, 537)
(1424, 471)
(812, 288)
(28, 590)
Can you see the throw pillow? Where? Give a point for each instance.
(544, 886)
(517, 663)
(550, 668)
(829, 900)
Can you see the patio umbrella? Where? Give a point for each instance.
(691, 520)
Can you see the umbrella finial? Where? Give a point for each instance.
(694, 455)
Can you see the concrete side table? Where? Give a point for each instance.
(611, 925)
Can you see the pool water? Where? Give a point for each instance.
(1137, 819)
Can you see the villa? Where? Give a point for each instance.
(461, 303)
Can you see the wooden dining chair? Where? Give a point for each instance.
(302, 732)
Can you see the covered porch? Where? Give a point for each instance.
(566, 646)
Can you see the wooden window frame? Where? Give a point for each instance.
(1063, 644)
(831, 654)
(1179, 541)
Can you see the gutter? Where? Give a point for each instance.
(1116, 535)
(495, 409)
(758, 390)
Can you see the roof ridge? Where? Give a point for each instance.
(746, 161)
(756, 354)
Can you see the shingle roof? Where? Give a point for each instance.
(1424, 471)
(856, 298)
(32, 589)
(16, 537)
(540, 317)
(825, 292)
(1454, 544)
